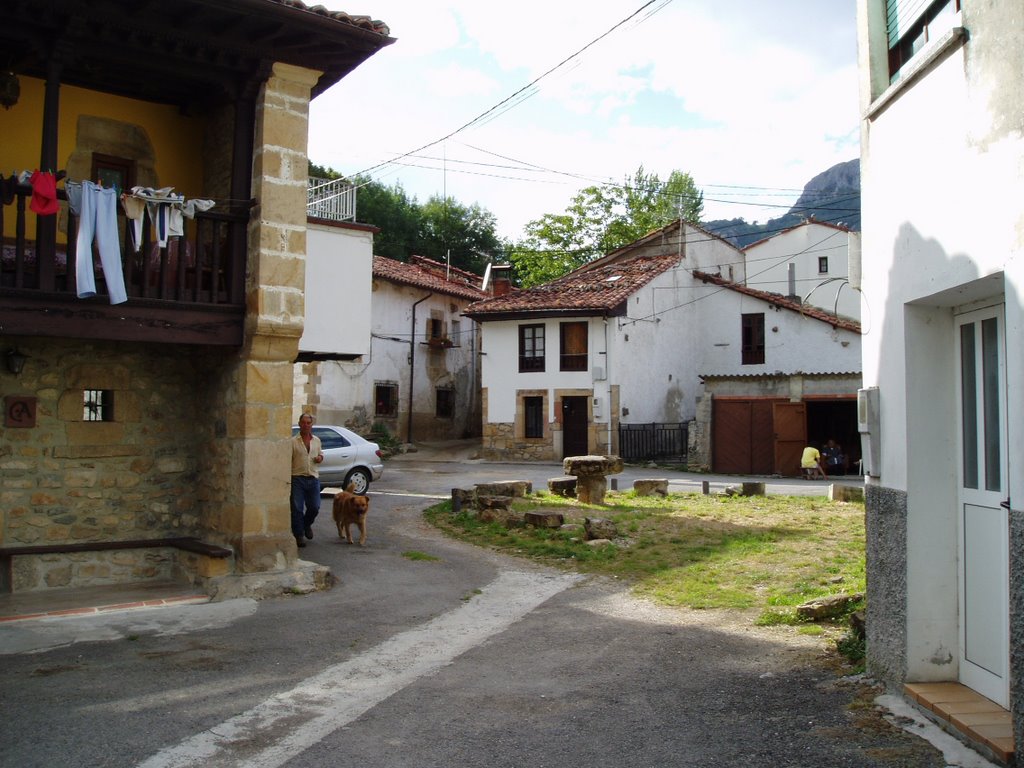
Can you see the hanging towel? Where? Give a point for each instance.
(44, 193)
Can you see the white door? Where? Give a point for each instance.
(983, 525)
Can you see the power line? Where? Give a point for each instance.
(525, 88)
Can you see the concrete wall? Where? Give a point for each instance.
(942, 185)
(344, 390)
(339, 275)
(768, 267)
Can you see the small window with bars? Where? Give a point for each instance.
(533, 412)
(385, 397)
(98, 405)
(444, 407)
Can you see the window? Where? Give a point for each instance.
(573, 339)
(444, 407)
(531, 348)
(533, 410)
(912, 24)
(328, 438)
(753, 339)
(435, 328)
(116, 172)
(385, 396)
(98, 405)
(823, 265)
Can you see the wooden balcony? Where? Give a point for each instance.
(190, 291)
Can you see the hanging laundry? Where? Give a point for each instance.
(98, 220)
(44, 193)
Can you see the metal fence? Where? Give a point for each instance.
(332, 199)
(650, 442)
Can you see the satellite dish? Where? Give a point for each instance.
(487, 277)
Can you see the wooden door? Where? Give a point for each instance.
(574, 427)
(790, 424)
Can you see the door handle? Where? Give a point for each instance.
(1005, 504)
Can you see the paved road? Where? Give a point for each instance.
(468, 659)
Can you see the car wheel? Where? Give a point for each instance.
(360, 480)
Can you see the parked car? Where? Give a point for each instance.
(348, 458)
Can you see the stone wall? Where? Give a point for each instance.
(886, 543)
(143, 474)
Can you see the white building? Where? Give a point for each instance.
(413, 370)
(943, 265)
(809, 261)
(623, 341)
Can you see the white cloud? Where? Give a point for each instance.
(736, 93)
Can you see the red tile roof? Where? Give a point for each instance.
(429, 275)
(778, 300)
(594, 290)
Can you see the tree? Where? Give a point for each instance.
(600, 219)
(466, 234)
(391, 210)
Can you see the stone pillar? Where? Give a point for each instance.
(258, 396)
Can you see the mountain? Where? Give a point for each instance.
(832, 196)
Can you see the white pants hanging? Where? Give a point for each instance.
(98, 220)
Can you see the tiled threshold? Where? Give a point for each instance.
(84, 601)
(971, 715)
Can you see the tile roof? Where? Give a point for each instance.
(429, 275)
(363, 22)
(591, 290)
(778, 300)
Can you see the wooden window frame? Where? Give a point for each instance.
(531, 355)
(573, 360)
(752, 338)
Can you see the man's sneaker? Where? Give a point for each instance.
(299, 542)
(309, 532)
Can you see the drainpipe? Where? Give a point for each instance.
(412, 364)
(608, 378)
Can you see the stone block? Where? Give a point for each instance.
(830, 607)
(463, 498)
(838, 492)
(562, 486)
(542, 519)
(599, 528)
(650, 487)
(514, 488)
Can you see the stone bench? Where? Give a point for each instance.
(590, 473)
(213, 558)
(515, 488)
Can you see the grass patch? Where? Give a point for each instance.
(768, 553)
(413, 554)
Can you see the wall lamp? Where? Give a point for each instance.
(15, 361)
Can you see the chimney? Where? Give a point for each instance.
(501, 279)
(792, 281)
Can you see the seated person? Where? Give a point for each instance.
(810, 464)
(834, 458)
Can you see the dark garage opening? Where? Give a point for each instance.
(836, 419)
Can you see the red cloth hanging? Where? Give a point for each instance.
(44, 193)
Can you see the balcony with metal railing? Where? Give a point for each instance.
(331, 199)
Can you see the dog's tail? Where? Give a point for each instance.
(349, 488)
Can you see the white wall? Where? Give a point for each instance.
(339, 271)
(347, 387)
(943, 226)
(768, 267)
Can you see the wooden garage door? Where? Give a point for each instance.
(790, 421)
(744, 436)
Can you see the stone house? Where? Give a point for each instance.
(646, 338)
(149, 439)
(942, 155)
(419, 374)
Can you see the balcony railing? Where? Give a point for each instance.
(173, 288)
(331, 199)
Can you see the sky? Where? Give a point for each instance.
(752, 98)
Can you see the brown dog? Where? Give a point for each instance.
(350, 509)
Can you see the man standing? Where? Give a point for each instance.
(306, 455)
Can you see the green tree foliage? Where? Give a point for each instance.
(465, 232)
(600, 219)
(432, 229)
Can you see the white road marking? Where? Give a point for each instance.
(288, 723)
